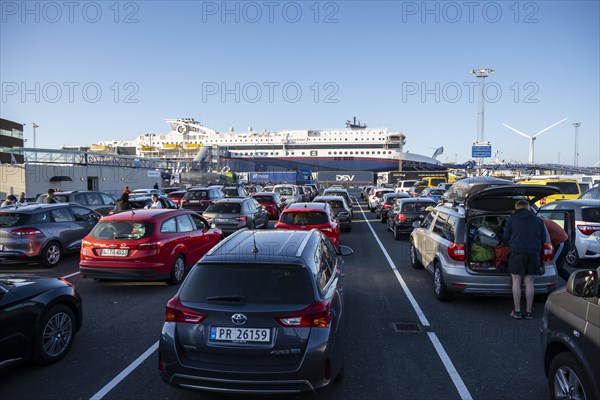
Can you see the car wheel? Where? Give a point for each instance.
(51, 255)
(567, 380)
(572, 257)
(396, 233)
(178, 271)
(439, 286)
(54, 335)
(414, 260)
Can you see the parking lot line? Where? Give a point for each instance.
(452, 372)
(117, 379)
(70, 275)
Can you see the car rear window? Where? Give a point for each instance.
(263, 199)
(231, 192)
(174, 195)
(225, 208)
(332, 203)
(250, 283)
(284, 191)
(416, 207)
(304, 218)
(590, 214)
(122, 230)
(566, 187)
(8, 220)
(197, 195)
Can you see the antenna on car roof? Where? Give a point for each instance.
(254, 248)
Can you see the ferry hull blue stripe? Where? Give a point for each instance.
(314, 164)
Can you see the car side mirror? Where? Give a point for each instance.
(345, 251)
(416, 224)
(583, 283)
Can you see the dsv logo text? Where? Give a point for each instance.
(344, 178)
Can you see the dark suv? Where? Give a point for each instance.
(261, 313)
(199, 198)
(98, 201)
(571, 338)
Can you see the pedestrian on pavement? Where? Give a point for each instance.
(126, 190)
(11, 200)
(156, 186)
(50, 197)
(155, 202)
(525, 233)
(562, 244)
(122, 204)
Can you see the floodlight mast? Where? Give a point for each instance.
(481, 73)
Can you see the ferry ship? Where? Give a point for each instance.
(354, 148)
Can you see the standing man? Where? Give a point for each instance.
(526, 235)
(156, 186)
(562, 244)
(50, 197)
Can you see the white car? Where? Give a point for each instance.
(403, 186)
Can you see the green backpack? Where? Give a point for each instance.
(481, 253)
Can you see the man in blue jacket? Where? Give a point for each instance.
(526, 234)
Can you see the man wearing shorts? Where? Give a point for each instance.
(526, 234)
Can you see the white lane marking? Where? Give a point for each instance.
(70, 275)
(407, 291)
(454, 375)
(117, 379)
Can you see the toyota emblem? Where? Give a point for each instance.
(239, 319)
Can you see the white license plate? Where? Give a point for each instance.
(227, 334)
(194, 201)
(114, 252)
(221, 220)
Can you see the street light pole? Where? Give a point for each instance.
(576, 153)
(481, 73)
(34, 125)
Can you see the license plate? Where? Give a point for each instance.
(194, 201)
(226, 334)
(114, 252)
(221, 220)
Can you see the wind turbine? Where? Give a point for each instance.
(532, 138)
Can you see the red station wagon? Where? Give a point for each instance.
(307, 216)
(272, 203)
(154, 244)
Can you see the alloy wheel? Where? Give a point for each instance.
(567, 384)
(57, 334)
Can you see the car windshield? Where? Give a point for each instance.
(263, 199)
(304, 218)
(284, 191)
(225, 208)
(590, 214)
(197, 195)
(415, 207)
(253, 283)
(8, 220)
(332, 203)
(122, 230)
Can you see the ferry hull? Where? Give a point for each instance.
(312, 163)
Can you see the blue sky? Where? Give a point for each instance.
(95, 71)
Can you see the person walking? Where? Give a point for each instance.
(50, 197)
(525, 233)
(22, 199)
(562, 244)
(11, 200)
(122, 204)
(155, 203)
(156, 186)
(126, 190)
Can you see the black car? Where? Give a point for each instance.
(341, 210)
(39, 318)
(405, 212)
(234, 191)
(571, 338)
(98, 201)
(386, 204)
(199, 198)
(261, 313)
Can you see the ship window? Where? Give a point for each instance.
(302, 153)
(362, 152)
(389, 152)
(329, 152)
(355, 138)
(277, 153)
(378, 152)
(345, 152)
(293, 152)
(335, 153)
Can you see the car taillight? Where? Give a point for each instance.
(242, 218)
(317, 315)
(547, 252)
(401, 218)
(456, 251)
(86, 244)
(588, 229)
(387, 206)
(182, 201)
(176, 312)
(542, 201)
(25, 232)
(148, 246)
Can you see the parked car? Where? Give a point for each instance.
(386, 204)
(307, 216)
(569, 189)
(289, 193)
(445, 185)
(434, 193)
(234, 191)
(39, 318)
(571, 338)
(172, 189)
(44, 232)
(405, 212)
(143, 201)
(460, 189)
(271, 202)
(148, 192)
(176, 196)
(274, 324)
(587, 223)
(314, 189)
(416, 189)
(340, 192)
(365, 191)
(235, 213)
(304, 193)
(463, 257)
(154, 244)
(199, 198)
(404, 185)
(591, 193)
(98, 201)
(341, 210)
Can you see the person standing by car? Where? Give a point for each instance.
(155, 203)
(11, 200)
(50, 197)
(22, 199)
(525, 233)
(126, 190)
(562, 244)
(156, 186)
(122, 204)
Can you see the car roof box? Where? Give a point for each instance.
(459, 191)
